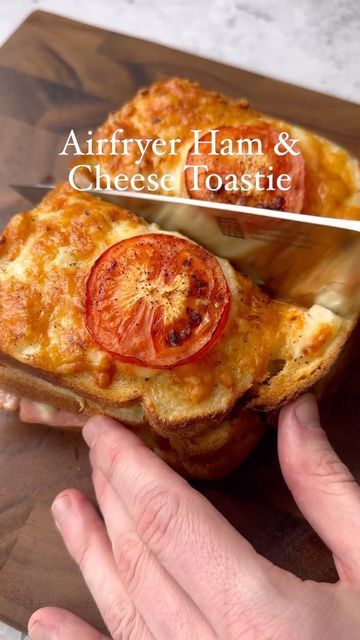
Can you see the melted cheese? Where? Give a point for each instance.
(318, 325)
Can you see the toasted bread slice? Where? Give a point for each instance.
(268, 353)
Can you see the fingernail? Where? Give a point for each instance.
(307, 412)
(39, 632)
(90, 432)
(61, 509)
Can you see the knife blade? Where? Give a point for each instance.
(299, 258)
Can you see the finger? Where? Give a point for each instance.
(218, 568)
(51, 622)
(321, 484)
(87, 542)
(166, 609)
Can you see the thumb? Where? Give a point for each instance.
(322, 486)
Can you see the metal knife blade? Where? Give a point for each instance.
(300, 258)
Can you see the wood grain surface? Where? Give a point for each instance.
(57, 74)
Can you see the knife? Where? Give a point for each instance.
(299, 258)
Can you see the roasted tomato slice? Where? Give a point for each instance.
(156, 300)
(240, 164)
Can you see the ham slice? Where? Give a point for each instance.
(41, 413)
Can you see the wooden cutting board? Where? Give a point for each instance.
(57, 74)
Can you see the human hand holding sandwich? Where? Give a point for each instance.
(164, 564)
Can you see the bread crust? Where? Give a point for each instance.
(294, 380)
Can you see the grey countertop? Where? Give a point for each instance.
(313, 43)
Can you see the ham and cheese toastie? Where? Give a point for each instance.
(102, 312)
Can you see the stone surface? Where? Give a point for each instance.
(7, 633)
(313, 43)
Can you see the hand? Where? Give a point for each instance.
(166, 565)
